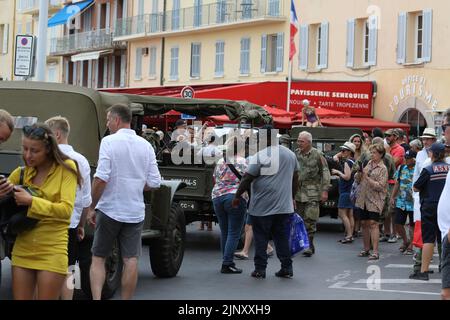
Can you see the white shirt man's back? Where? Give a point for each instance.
(126, 163)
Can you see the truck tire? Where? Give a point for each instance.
(166, 252)
(113, 266)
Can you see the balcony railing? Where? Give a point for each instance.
(101, 39)
(215, 14)
(32, 6)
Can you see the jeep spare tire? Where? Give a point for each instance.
(167, 251)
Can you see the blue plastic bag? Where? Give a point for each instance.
(298, 236)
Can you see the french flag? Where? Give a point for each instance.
(294, 30)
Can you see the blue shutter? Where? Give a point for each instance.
(220, 48)
(264, 53)
(304, 47)
(373, 35)
(427, 34)
(245, 56)
(401, 38)
(280, 52)
(138, 66)
(176, 15)
(197, 13)
(324, 46)
(152, 62)
(350, 43)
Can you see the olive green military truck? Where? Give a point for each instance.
(184, 195)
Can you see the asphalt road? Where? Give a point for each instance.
(334, 272)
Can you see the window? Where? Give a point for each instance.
(220, 58)
(272, 51)
(140, 17)
(52, 74)
(154, 17)
(362, 42)
(313, 47)
(4, 37)
(152, 62)
(274, 8)
(419, 37)
(366, 43)
(29, 27)
(414, 37)
(19, 28)
(247, 7)
(174, 63)
(197, 13)
(176, 15)
(221, 11)
(195, 60)
(245, 56)
(138, 65)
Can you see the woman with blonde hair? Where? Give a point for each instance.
(360, 146)
(39, 257)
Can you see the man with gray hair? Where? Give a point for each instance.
(61, 129)
(314, 181)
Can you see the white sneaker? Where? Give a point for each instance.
(392, 239)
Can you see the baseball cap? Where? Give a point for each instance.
(437, 148)
(410, 154)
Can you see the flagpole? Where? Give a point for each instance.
(289, 87)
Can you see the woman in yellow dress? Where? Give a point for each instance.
(39, 257)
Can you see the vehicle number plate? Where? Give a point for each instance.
(189, 205)
(329, 204)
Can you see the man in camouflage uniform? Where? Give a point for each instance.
(314, 181)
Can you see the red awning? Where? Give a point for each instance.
(275, 112)
(279, 122)
(365, 124)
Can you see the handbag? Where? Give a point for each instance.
(13, 216)
(354, 192)
(298, 236)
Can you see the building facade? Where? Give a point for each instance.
(6, 39)
(400, 45)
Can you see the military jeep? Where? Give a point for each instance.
(327, 140)
(165, 221)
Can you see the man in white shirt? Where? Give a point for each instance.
(61, 129)
(126, 167)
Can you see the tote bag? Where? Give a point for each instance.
(298, 236)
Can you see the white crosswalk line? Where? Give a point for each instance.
(409, 266)
(400, 281)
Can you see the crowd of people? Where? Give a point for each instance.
(384, 185)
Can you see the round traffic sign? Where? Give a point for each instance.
(187, 92)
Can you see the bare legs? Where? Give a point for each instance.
(31, 284)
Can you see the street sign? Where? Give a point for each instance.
(187, 92)
(24, 56)
(187, 117)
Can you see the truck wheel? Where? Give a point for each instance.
(166, 252)
(113, 266)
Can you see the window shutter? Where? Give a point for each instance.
(427, 34)
(105, 72)
(176, 15)
(114, 18)
(113, 72)
(401, 38)
(304, 41)
(350, 43)
(152, 69)
(280, 52)
(245, 56)
(125, 9)
(123, 65)
(263, 53)
(373, 39)
(89, 75)
(138, 70)
(108, 15)
(5, 38)
(324, 46)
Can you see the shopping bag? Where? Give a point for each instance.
(417, 239)
(298, 236)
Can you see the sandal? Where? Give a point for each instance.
(408, 252)
(404, 247)
(240, 256)
(364, 253)
(374, 256)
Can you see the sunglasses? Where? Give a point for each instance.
(445, 126)
(37, 132)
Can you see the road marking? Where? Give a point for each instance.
(409, 266)
(340, 285)
(401, 281)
